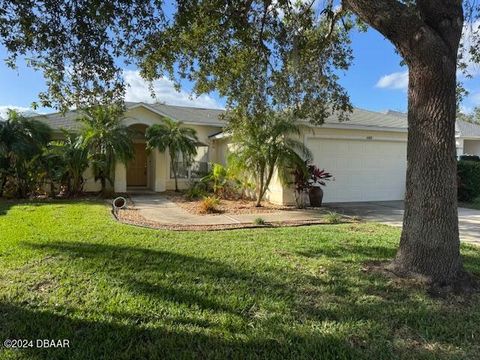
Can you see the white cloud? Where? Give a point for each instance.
(4, 110)
(395, 81)
(164, 90)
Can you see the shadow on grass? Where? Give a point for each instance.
(208, 309)
(7, 204)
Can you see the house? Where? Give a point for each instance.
(366, 154)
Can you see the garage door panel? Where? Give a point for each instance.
(362, 170)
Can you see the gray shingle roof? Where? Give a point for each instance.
(59, 121)
(467, 129)
(190, 115)
(365, 118)
(390, 120)
(195, 115)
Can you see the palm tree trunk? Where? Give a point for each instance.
(174, 169)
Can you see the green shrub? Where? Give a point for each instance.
(333, 218)
(469, 157)
(196, 191)
(468, 180)
(209, 204)
(259, 221)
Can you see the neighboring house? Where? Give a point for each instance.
(366, 154)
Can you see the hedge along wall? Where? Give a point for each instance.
(468, 180)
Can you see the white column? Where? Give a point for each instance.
(160, 170)
(120, 184)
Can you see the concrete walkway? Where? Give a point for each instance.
(160, 209)
(391, 213)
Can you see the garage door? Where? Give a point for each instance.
(363, 170)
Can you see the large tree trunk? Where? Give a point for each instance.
(427, 34)
(430, 243)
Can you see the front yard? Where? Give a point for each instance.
(68, 270)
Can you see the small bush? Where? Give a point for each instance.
(195, 191)
(333, 217)
(468, 180)
(469, 157)
(259, 221)
(209, 205)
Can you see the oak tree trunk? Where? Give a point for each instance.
(427, 34)
(430, 242)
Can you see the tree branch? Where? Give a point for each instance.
(395, 20)
(443, 16)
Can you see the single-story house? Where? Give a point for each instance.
(366, 154)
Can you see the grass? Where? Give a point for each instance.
(68, 270)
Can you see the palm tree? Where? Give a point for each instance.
(179, 140)
(108, 141)
(73, 156)
(265, 144)
(21, 140)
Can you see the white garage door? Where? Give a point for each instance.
(363, 170)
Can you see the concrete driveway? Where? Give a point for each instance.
(391, 213)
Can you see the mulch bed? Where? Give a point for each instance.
(227, 206)
(132, 216)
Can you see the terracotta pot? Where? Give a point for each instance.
(316, 196)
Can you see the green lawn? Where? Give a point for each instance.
(68, 270)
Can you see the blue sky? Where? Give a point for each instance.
(376, 81)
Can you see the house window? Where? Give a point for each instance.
(197, 169)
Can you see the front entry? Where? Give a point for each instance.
(137, 168)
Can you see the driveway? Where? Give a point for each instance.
(391, 213)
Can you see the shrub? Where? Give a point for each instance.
(209, 205)
(468, 180)
(259, 221)
(469, 157)
(195, 191)
(333, 217)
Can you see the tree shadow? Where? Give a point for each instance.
(372, 310)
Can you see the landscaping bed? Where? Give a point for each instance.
(226, 206)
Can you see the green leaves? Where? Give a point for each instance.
(178, 139)
(107, 140)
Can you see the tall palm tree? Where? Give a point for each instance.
(21, 140)
(265, 144)
(108, 141)
(178, 139)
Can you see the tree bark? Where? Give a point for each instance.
(427, 35)
(430, 242)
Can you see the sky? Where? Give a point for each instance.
(375, 81)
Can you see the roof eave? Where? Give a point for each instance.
(358, 127)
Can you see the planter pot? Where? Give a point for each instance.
(316, 196)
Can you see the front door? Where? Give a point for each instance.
(137, 168)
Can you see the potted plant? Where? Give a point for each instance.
(317, 179)
(307, 181)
